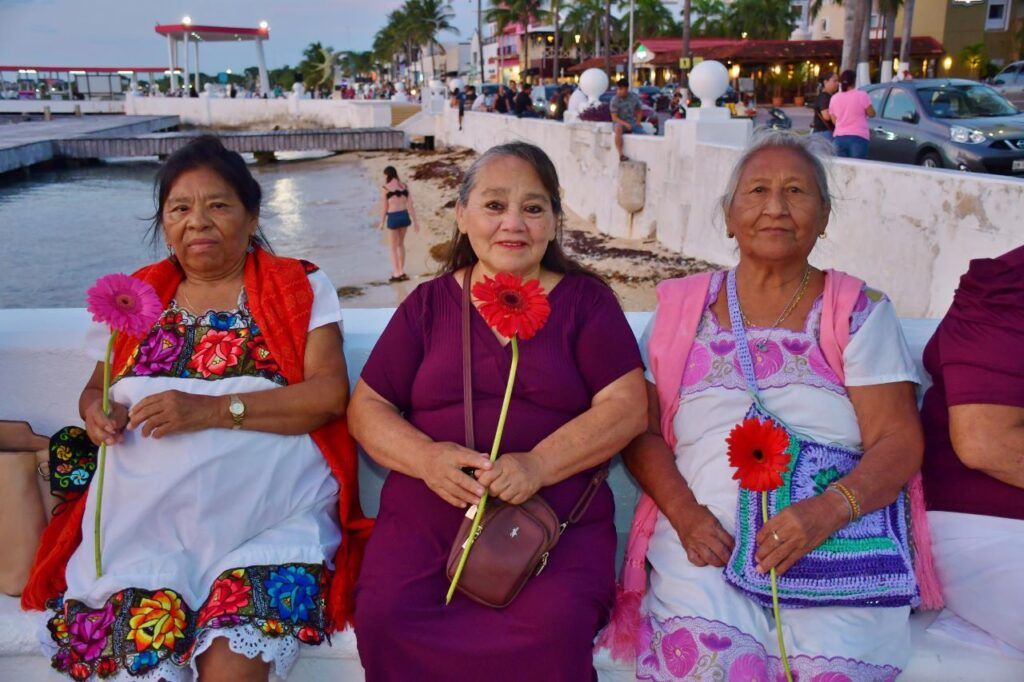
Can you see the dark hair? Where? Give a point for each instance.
(460, 251)
(825, 77)
(847, 79)
(207, 151)
(622, 83)
(390, 173)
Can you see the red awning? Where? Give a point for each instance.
(758, 51)
(214, 33)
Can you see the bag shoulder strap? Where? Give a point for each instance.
(467, 402)
(467, 359)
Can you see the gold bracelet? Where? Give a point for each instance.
(850, 497)
(846, 501)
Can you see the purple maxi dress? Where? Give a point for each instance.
(404, 632)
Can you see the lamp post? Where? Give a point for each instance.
(629, 57)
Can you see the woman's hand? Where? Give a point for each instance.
(102, 428)
(415, 226)
(441, 467)
(162, 414)
(706, 542)
(797, 530)
(514, 478)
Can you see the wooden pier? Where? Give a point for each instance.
(256, 142)
(32, 142)
(97, 137)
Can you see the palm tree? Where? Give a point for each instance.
(586, 19)
(557, 15)
(650, 18)
(318, 65)
(889, 9)
(908, 25)
(522, 12)
(710, 18)
(431, 17)
(974, 58)
(762, 19)
(856, 14)
(608, 37)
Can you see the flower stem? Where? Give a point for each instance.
(494, 455)
(775, 600)
(97, 554)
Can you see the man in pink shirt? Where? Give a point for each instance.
(849, 110)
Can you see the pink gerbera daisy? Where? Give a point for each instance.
(128, 305)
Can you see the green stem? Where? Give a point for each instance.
(775, 599)
(494, 455)
(97, 554)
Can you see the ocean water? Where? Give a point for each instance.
(61, 229)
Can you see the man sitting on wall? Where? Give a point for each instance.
(625, 110)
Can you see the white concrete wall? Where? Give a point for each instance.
(58, 106)
(287, 111)
(907, 230)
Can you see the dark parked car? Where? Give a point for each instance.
(946, 123)
(1010, 83)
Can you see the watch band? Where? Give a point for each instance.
(237, 415)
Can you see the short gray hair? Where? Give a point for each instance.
(814, 148)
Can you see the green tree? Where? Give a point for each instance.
(586, 19)
(428, 18)
(974, 57)
(318, 66)
(522, 12)
(650, 18)
(762, 19)
(709, 18)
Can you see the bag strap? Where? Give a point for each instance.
(467, 359)
(467, 402)
(739, 333)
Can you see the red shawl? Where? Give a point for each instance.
(280, 300)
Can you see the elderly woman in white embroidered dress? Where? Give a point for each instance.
(695, 625)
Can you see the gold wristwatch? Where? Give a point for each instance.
(237, 409)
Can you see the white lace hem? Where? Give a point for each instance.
(245, 639)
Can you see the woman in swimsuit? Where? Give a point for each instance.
(398, 214)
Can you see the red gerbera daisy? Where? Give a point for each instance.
(758, 451)
(511, 306)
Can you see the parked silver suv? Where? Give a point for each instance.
(1010, 83)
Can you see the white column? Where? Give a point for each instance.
(172, 49)
(184, 72)
(135, 82)
(198, 87)
(261, 62)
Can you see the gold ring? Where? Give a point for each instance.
(777, 538)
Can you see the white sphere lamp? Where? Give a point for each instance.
(593, 83)
(709, 81)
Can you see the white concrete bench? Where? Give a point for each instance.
(44, 368)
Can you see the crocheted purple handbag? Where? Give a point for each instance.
(866, 563)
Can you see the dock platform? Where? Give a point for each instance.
(32, 142)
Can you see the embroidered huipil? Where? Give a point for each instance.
(208, 529)
(695, 623)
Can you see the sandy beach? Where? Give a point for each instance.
(632, 267)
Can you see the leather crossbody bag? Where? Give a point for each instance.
(513, 542)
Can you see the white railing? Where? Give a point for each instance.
(909, 231)
(291, 111)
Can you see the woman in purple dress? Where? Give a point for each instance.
(578, 399)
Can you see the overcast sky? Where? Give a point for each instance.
(120, 32)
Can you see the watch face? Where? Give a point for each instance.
(237, 408)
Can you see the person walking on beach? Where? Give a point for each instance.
(397, 213)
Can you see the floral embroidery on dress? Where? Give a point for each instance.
(72, 461)
(695, 648)
(137, 630)
(211, 346)
(782, 357)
